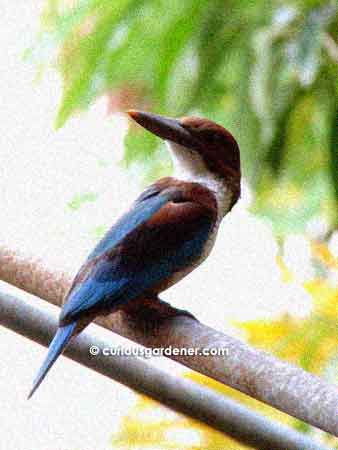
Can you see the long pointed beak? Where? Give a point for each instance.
(166, 128)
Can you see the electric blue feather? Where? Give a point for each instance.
(56, 347)
(136, 216)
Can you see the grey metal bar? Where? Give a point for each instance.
(39, 324)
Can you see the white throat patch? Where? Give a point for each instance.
(189, 166)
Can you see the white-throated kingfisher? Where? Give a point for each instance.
(168, 231)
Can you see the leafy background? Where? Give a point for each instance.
(266, 70)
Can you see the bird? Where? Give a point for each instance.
(169, 230)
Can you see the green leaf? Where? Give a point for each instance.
(98, 232)
(139, 145)
(305, 52)
(80, 199)
(171, 46)
(216, 37)
(333, 164)
(146, 156)
(57, 28)
(92, 48)
(288, 208)
(275, 151)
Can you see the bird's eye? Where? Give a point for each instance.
(211, 136)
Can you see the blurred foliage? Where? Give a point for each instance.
(149, 425)
(81, 199)
(310, 342)
(266, 70)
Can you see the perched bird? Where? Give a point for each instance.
(169, 230)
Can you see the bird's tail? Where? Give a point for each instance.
(56, 347)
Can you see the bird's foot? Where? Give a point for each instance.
(154, 310)
(166, 310)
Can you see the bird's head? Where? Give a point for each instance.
(202, 151)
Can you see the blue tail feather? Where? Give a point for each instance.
(56, 347)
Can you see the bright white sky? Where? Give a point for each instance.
(40, 172)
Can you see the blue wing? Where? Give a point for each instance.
(145, 206)
(157, 238)
(58, 344)
(162, 234)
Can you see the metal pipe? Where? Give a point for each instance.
(35, 322)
